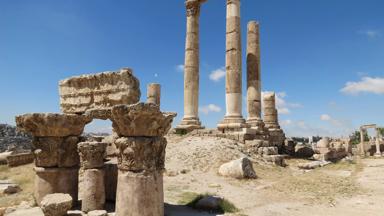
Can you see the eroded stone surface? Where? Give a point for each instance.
(92, 154)
(56, 204)
(141, 119)
(241, 168)
(102, 90)
(141, 153)
(52, 125)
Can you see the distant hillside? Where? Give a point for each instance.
(12, 139)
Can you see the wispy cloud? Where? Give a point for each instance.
(325, 117)
(209, 108)
(366, 84)
(180, 68)
(370, 33)
(217, 74)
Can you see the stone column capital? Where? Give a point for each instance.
(92, 154)
(193, 7)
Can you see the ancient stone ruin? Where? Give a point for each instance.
(139, 128)
(374, 146)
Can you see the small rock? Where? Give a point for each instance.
(56, 204)
(76, 213)
(209, 203)
(98, 213)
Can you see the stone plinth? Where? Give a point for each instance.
(56, 180)
(154, 93)
(141, 155)
(233, 119)
(97, 91)
(254, 77)
(191, 68)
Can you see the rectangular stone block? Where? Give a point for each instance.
(102, 90)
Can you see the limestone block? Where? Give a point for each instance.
(52, 125)
(98, 213)
(239, 169)
(56, 180)
(277, 160)
(141, 119)
(102, 90)
(56, 204)
(141, 153)
(110, 180)
(94, 190)
(147, 190)
(92, 154)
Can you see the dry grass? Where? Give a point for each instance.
(22, 175)
(323, 184)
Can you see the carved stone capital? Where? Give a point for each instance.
(193, 7)
(91, 154)
(138, 154)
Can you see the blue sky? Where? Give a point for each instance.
(324, 58)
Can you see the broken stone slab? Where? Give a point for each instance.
(92, 154)
(56, 204)
(102, 90)
(141, 119)
(313, 165)
(52, 125)
(277, 160)
(98, 213)
(240, 169)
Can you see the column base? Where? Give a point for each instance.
(257, 124)
(188, 124)
(232, 124)
(377, 154)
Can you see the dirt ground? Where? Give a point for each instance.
(345, 188)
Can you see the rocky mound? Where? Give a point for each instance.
(12, 139)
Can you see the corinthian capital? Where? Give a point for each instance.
(193, 7)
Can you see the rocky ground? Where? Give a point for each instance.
(345, 188)
(11, 139)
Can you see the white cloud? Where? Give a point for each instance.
(180, 68)
(209, 108)
(283, 107)
(217, 74)
(370, 33)
(286, 122)
(325, 117)
(156, 75)
(366, 84)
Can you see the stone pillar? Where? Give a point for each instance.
(153, 93)
(378, 152)
(271, 120)
(253, 77)
(233, 120)
(362, 142)
(92, 162)
(191, 68)
(141, 155)
(55, 139)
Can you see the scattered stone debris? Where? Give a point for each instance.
(313, 165)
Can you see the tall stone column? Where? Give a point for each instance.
(271, 120)
(92, 155)
(141, 155)
(254, 77)
(153, 93)
(378, 152)
(233, 120)
(191, 68)
(362, 142)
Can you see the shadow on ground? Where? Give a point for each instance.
(182, 210)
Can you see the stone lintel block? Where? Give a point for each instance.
(139, 154)
(52, 125)
(92, 154)
(103, 90)
(141, 119)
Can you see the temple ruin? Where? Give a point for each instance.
(365, 147)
